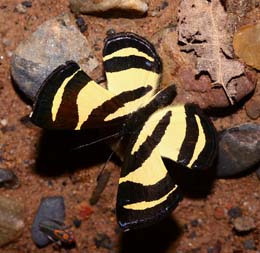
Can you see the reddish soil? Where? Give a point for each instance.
(199, 224)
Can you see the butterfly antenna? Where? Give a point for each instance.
(97, 141)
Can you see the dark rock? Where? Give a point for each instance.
(50, 208)
(194, 223)
(54, 42)
(27, 4)
(258, 173)
(103, 241)
(81, 24)
(77, 223)
(216, 248)
(250, 244)
(8, 179)
(244, 224)
(239, 149)
(235, 212)
(11, 220)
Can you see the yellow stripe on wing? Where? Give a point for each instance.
(124, 52)
(58, 96)
(89, 98)
(149, 204)
(152, 170)
(200, 144)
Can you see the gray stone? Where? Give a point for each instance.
(90, 6)
(244, 224)
(11, 220)
(54, 42)
(52, 208)
(239, 149)
(8, 179)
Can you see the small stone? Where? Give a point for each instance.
(249, 244)
(20, 8)
(54, 42)
(93, 6)
(11, 220)
(219, 213)
(50, 208)
(103, 241)
(253, 108)
(216, 248)
(244, 224)
(77, 222)
(194, 223)
(239, 149)
(81, 24)
(258, 173)
(27, 4)
(8, 179)
(235, 212)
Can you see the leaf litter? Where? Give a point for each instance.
(202, 32)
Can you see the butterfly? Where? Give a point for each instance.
(148, 126)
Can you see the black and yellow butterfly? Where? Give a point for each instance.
(150, 128)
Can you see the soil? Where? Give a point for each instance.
(200, 223)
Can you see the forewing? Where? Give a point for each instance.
(146, 192)
(131, 62)
(70, 99)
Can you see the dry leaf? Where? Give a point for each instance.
(247, 44)
(201, 31)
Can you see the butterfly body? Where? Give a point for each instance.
(149, 127)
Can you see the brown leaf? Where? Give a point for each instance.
(201, 30)
(247, 44)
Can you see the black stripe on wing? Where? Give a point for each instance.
(191, 137)
(135, 219)
(209, 152)
(147, 147)
(127, 40)
(126, 62)
(42, 109)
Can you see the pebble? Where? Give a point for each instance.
(11, 220)
(253, 108)
(249, 244)
(81, 24)
(239, 150)
(27, 4)
(258, 173)
(54, 42)
(8, 179)
(244, 224)
(235, 212)
(50, 208)
(77, 222)
(93, 6)
(20, 8)
(103, 241)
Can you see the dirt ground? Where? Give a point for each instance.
(199, 224)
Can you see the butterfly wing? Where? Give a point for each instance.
(146, 192)
(70, 99)
(131, 63)
(189, 139)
